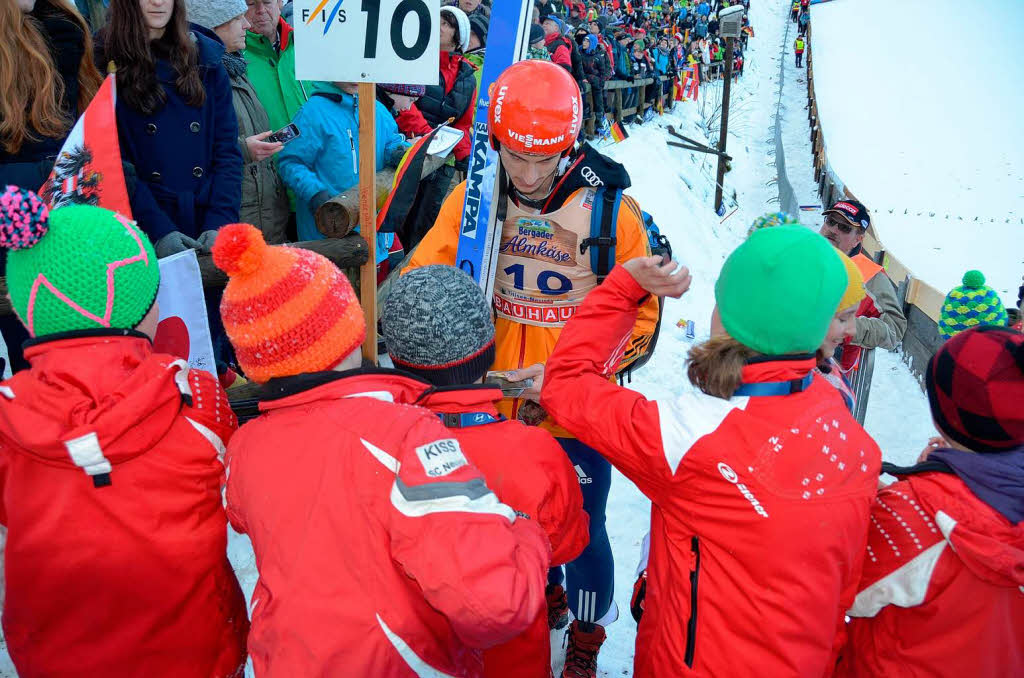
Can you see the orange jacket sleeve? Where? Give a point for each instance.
(632, 242)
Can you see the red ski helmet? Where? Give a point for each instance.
(535, 109)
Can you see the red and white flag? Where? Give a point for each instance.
(691, 83)
(88, 170)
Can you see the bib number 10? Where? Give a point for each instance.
(406, 7)
(546, 280)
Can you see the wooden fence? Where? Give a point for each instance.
(922, 303)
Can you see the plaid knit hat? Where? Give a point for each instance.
(405, 90)
(75, 268)
(287, 311)
(971, 304)
(437, 325)
(975, 385)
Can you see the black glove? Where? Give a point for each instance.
(318, 200)
(206, 240)
(172, 243)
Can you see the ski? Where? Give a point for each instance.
(507, 41)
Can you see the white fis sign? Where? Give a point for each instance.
(367, 40)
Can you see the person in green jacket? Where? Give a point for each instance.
(270, 55)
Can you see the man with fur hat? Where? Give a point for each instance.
(110, 465)
(381, 550)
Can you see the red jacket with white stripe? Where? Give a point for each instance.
(759, 504)
(942, 592)
(380, 549)
(111, 493)
(530, 472)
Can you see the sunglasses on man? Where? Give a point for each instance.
(840, 225)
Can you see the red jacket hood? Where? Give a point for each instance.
(777, 370)
(479, 398)
(985, 542)
(389, 385)
(108, 384)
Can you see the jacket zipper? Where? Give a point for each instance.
(355, 161)
(691, 625)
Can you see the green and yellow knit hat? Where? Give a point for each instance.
(75, 268)
(970, 305)
(772, 219)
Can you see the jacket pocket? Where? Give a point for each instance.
(691, 625)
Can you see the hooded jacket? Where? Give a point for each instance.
(518, 344)
(381, 550)
(530, 472)
(759, 503)
(111, 493)
(942, 592)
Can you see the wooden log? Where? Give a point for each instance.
(339, 215)
(368, 215)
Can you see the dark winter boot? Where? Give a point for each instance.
(585, 641)
(558, 606)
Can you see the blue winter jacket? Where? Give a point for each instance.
(660, 62)
(325, 155)
(704, 9)
(186, 159)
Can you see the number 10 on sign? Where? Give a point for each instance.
(367, 40)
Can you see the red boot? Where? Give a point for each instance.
(558, 606)
(585, 641)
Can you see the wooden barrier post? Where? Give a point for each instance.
(368, 214)
(725, 124)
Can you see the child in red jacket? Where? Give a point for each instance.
(438, 327)
(942, 592)
(110, 471)
(381, 550)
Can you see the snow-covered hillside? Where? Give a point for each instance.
(920, 107)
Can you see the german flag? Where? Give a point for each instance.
(619, 132)
(393, 216)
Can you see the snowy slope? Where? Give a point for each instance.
(920, 106)
(677, 187)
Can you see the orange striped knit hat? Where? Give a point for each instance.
(286, 310)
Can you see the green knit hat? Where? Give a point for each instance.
(778, 291)
(969, 305)
(75, 268)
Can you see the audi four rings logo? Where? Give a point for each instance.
(591, 177)
(731, 476)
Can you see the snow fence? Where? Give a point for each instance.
(922, 303)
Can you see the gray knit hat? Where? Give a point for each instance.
(213, 13)
(437, 325)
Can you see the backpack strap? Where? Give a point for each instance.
(468, 419)
(601, 243)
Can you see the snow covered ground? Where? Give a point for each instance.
(920, 106)
(677, 187)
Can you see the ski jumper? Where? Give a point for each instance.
(381, 550)
(739, 581)
(541, 280)
(529, 472)
(111, 482)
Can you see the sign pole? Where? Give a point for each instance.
(368, 215)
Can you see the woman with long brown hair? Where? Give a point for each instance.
(47, 77)
(176, 122)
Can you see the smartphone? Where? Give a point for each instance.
(285, 134)
(510, 389)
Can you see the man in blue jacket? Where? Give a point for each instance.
(323, 160)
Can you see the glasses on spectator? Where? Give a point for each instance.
(841, 226)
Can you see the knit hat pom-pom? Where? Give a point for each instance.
(23, 218)
(974, 279)
(239, 249)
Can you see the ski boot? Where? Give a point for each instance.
(585, 641)
(558, 606)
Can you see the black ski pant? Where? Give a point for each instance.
(799, 59)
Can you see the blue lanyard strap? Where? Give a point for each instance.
(468, 419)
(775, 388)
